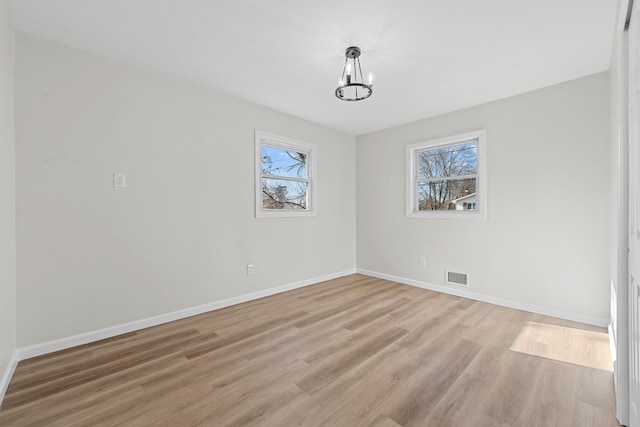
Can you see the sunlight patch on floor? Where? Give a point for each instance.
(565, 344)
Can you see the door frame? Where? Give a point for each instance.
(620, 296)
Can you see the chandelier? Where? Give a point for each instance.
(351, 84)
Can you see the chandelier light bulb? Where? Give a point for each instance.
(370, 78)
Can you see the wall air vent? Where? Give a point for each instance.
(453, 278)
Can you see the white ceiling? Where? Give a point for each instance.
(429, 56)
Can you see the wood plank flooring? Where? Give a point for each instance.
(355, 351)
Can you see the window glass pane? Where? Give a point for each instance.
(453, 160)
(281, 162)
(455, 194)
(283, 194)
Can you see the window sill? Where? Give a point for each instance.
(457, 215)
(283, 214)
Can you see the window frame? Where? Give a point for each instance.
(285, 143)
(412, 177)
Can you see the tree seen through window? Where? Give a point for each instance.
(446, 174)
(284, 178)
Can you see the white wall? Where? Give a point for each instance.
(91, 256)
(7, 198)
(546, 239)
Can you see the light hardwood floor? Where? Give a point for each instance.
(355, 351)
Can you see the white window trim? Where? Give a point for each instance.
(283, 142)
(481, 183)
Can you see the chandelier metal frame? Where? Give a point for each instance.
(351, 84)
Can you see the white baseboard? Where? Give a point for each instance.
(87, 337)
(539, 309)
(8, 373)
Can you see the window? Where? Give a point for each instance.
(446, 177)
(285, 176)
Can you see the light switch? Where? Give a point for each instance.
(119, 180)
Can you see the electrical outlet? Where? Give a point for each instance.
(119, 180)
(423, 261)
(249, 269)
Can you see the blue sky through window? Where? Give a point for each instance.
(280, 162)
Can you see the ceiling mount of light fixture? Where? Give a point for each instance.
(351, 84)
